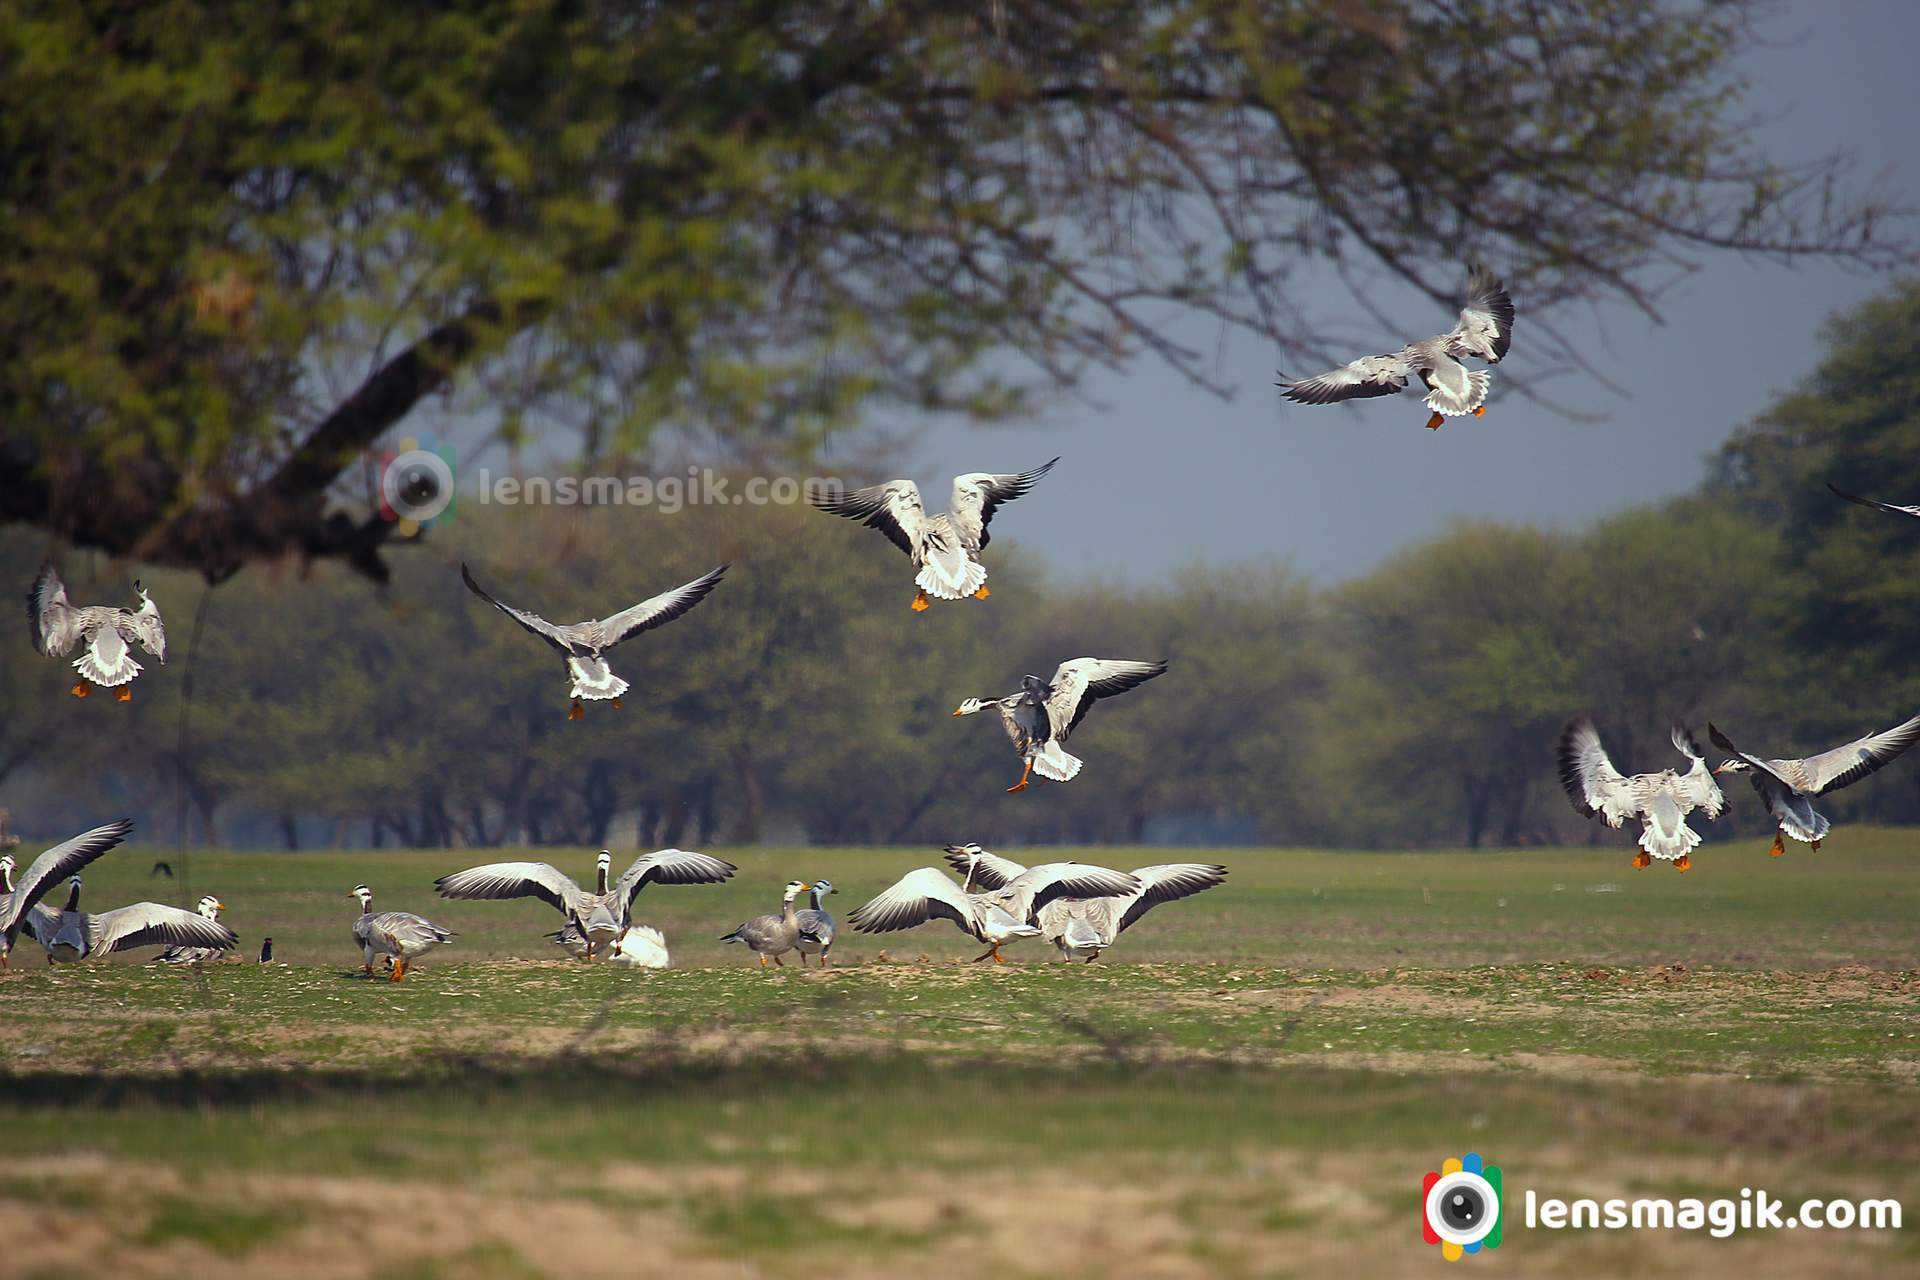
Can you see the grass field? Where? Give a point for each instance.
(1250, 1084)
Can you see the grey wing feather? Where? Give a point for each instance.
(658, 611)
(1590, 779)
(1081, 682)
(1485, 328)
(498, 880)
(915, 898)
(145, 924)
(994, 490)
(1359, 380)
(1844, 766)
(1888, 507)
(989, 870)
(670, 866)
(1169, 882)
(554, 635)
(1696, 784)
(55, 865)
(54, 624)
(894, 508)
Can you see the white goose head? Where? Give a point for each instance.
(971, 706)
(795, 888)
(211, 907)
(365, 895)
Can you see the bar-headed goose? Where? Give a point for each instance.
(108, 661)
(602, 917)
(1484, 331)
(210, 907)
(1887, 507)
(1788, 787)
(1081, 928)
(1661, 800)
(992, 916)
(1040, 717)
(584, 645)
(816, 926)
(945, 548)
(79, 934)
(17, 908)
(772, 936)
(399, 934)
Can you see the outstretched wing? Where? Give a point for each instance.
(1364, 378)
(1763, 771)
(659, 611)
(1696, 784)
(1844, 766)
(1167, 882)
(497, 880)
(1035, 887)
(553, 635)
(1079, 683)
(915, 898)
(55, 865)
(1877, 506)
(977, 494)
(670, 866)
(54, 624)
(1485, 328)
(894, 508)
(1592, 783)
(147, 924)
(987, 870)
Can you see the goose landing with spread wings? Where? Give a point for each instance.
(110, 634)
(584, 645)
(1082, 928)
(600, 919)
(945, 548)
(1044, 713)
(1484, 331)
(992, 917)
(1661, 800)
(1788, 787)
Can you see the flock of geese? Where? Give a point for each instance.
(1080, 909)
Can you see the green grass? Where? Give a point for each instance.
(1250, 1084)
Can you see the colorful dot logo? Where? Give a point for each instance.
(1461, 1209)
(416, 484)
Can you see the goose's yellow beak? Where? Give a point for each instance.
(957, 711)
(219, 905)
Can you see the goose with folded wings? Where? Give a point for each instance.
(1484, 331)
(1661, 800)
(1789, 787)
(602, 917)
(1044, 713)
(991, 916)
(1082, 928)
(945, 548)
(584, 645)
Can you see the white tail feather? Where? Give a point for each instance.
(1668, 845)
(951, 575)
(594, 680)
(106, 675)
(1054, 764)
(1479, 381)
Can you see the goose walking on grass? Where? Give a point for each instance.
(584, 645)
(945, 548)
(992, 916)
(1082, 928)
(20, 908)
(401, 935)
(1040, 717)
(601, 918)
(1788, 787)
(76, 934)
(772, 936)
(1484, 331)
(641, 947)
(210, 907)
(816, 926)
(109, 632)
(1661, 800)
(1887, 507)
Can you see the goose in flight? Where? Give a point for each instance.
(991, 916)
(76, 934)
(1787, 787)
(816, 926)
(20, 907)
(1484, 331)
(1877, 506)
(1041, 716)
(945, 548)
(602, 917)
(401, 935)
(1661, 800)
(772, 936)
(109, 633)
(641, 947)
(584, 644)
(1081, 928)
(179, 953)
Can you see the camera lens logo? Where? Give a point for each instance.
(416, 484)
(1461, 1213)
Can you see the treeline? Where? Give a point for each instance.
(1415, 706)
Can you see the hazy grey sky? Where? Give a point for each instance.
(1162, 475)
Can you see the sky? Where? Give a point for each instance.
(1158, 475)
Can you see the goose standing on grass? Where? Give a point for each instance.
(641, 947)
(1887, 507)
(1788, 787)
(992, 916)
(78, 934)
(18, 907)
(772, 936)
(945, 548)
(816, 926)
(1081, 928)
(1661, 800)
(584, 644)
(1484, 331)
(399, 934)
(1040, 717)
(601, 918)
(108, 661)
(210, 907)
